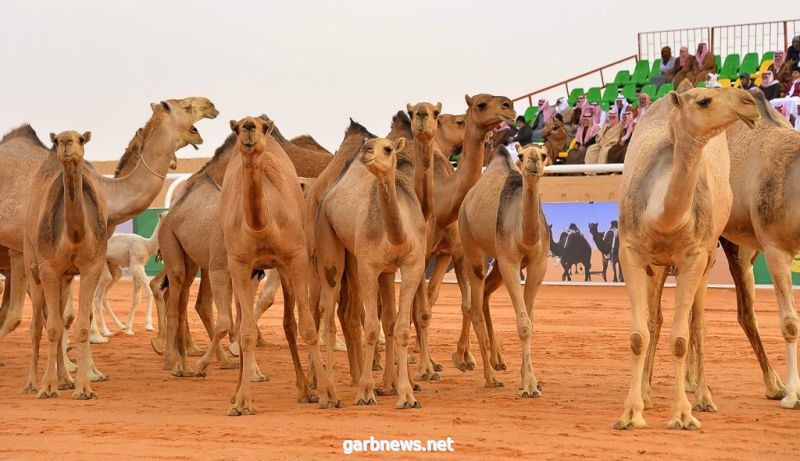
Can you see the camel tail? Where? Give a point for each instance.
(164, 283)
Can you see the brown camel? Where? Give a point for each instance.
(141, 177)
(385, 233)
(764, 168)
(260, 205)
(307, 142)
(672, 216)
(502, 217)
(308, 163)
(65, 236)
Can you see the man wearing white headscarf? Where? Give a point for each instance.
(711, 81)
(561, 105)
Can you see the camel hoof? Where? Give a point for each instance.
(362, 402)
(339, 404)
(494, 383)
(85, 396)
(534, 394)
(259, 378)
(98, 377)
(500, 367)
(686, 422)
(29, 389)
(129, 332)
(229, 365)
(199, 374)
(408, 405)
(47, 395)
(195, 351)
(789, 403)
(416, 387)
(66, 386)
(149, 328)
(157, 345)
(377, 367)
(309, 398)
(380, 392)
(98, 339)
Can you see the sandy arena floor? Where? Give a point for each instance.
(581, 355)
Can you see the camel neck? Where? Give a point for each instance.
(256, 215)
(423, 175)
(152, 242)
(687, 152)
(467, 174)
(530, 212)
(390, 209)
(131, 194)
(73, 203)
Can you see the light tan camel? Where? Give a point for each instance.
(141, 177)
(260, 205)
(131, 251)
(385, 233)
(502, 217)
(764, 169)
(672, 216)
(484, 113)
(65, 236)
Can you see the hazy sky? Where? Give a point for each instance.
(96, 65)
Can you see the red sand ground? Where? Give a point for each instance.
(581, 355)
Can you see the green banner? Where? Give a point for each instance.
(761, 272)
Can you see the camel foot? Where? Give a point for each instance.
(498, 363)
(129, 332)
(463, 361)
(416, 387)
(242, 406)
(493, 382)
(84, 393)
(181, 370)
(30, 388)
(792, 400)
(436, 366)
(703, 401)
(228, 364)
(685, 421)
(96, 375)
(49, 388)
(381, 338)
(376, 366)
(194, 351)
(234, 349)
(258, 377)
(775, 390)
(98, 339)
(66, 385)
(631, 419)
(307, 396)
(407, 405)
(530, 388)
(158, 344)
(381, 392)
(328, 399)
(149, 327)
(648, 402)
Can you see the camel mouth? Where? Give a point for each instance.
(211, 112)
(749, 121)
(194, 145)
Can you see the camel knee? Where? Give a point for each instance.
(83, 335)
(789, 329)
(309, 334)
(637, 343)
(54, 333)
(679, 347)
(524, 327)
(402, 337)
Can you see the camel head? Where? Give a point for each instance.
(487, 111)
(197, 106)
(191, 137)
(451, 130)
(251, 137)
(704, 113)
(68, 146)
(424, 120)
(531, 162)
(379, 155)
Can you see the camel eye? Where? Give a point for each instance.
(521, 157)
(481, 105)
(460, 123)
(436, 115)
(387, 150)
(704, 102)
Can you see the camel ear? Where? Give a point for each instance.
(268, 127)
(408, 109)
(166, 106)
(86, 137)
(675, 99)
(53, 137)
(234, 126)
(437, 110)
(399, 144)
(543, 154)
(468, 99)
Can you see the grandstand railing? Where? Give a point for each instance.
(757, 37)
(566, 82)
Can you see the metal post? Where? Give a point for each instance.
(602, 80)
(785, 35)
(530, 101)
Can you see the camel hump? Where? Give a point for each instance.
(24, 131)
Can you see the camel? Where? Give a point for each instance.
(502, 217)
(572, 249)
(307, 142)
(385, 233)
(608, 244)
(308, 163)
(763, 167)
(484, 113)
(140, 178)
(673, 216)
(261, 203)
(65, 235)
(131, 251)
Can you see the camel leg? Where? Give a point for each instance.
(476, 264)
(462, 357)
(116, 274)
(148, 313)
(177, 299)
(702, 393)
(534, 272)
(158, 342)
(18, 286)
(140, 282)
(221, 288)
(740, 262)
(305, 395)
(37, 322)
(388, 320)
(426, 369)
(266, 299)
(204, 307)
(63, 364)
(638, 291)
(410, 286)
(493, 281)
(368, 283)
(51, 286)
(437, 276)
(605, 268)
(690, 275)
(655, 286)
(353, 319)
(779, 264)
(99, 330)
(88, 287)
